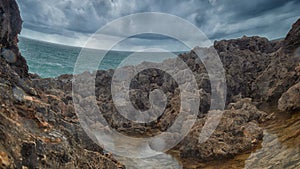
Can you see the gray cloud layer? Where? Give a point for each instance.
(217, 18)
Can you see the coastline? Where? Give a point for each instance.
(39, 127)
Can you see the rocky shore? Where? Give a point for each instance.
(39, 127)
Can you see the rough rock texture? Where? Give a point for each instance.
(37, 133)
(36, 128)
(280, 74)
(244, 59)
(10, 27)
(42, 131)
(290, 100)
(247, 61)
(255, 67)
(237, 132)
(39, 128)
(291, 41)
(243, 116)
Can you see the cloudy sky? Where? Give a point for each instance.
(72, 22)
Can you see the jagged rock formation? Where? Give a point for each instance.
(280, 74)
(10, 27)
(237, 132)
(290, 100)
(35, 131)
(39, 128)
(255, 67)
(291, 41)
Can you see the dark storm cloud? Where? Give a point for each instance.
(253, 8)
(229, 18)
(217, 18)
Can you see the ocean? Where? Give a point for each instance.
(52, 60)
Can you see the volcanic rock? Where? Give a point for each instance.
(290, 100)
(238, 131)
(37, 130)
(39, 127)
(292, 40)
(10, 27)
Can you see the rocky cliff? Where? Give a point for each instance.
(10, 27)
(39, 128)
(34, 132)
(257, 69)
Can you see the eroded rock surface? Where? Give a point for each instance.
(10, 27)
(39, 127)
(290, 100)
(291, 41)
(255, 67)
(237, 132)
(280, 74)
(36, 128)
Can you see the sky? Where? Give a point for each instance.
(72, 22)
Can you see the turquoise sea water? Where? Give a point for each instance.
(51, 60)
